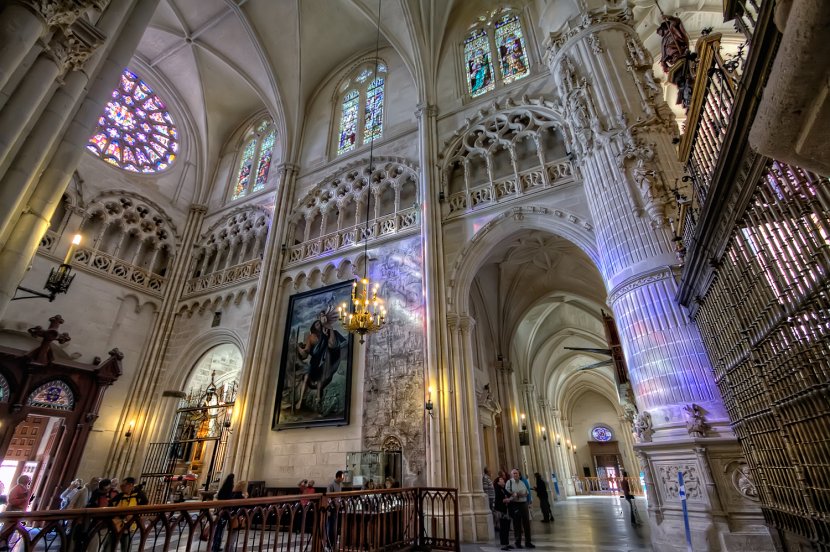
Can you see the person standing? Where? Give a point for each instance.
(19, 495)
(225, 493)
(544, 501)
(500, 510)
(69, 493)
(625, 487)
(489, 490)
(519, 492)
(336, 486)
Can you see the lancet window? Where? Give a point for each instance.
(361, 94)
(495, 52)
(254, 162)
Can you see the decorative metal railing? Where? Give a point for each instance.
(394, 519)
(510, 188)
(745, 13)
(232, 275)
(386, 225)
(118, 269)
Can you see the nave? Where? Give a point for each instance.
(584, 524)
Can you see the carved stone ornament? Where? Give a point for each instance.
(643, 428)
(742, 480)
(486, 400)
(671, 485)
(695, 421)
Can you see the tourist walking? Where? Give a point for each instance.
(519, 493)
(544, 500)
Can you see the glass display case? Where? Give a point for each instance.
(373, 466)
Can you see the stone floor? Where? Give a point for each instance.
(585, 524)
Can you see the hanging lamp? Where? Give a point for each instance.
(369, 314)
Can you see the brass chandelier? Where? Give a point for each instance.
(369, 314)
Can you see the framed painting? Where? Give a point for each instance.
(315, 375)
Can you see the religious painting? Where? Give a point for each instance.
(315, 373)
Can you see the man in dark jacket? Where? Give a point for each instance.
(544, 501)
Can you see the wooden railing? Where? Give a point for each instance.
(365, 520)
(603, 486)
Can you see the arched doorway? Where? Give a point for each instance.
(190, 463)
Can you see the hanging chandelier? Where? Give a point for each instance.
(369, 314)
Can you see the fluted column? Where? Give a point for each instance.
(621, 131)
(144, 395)
(25, 235)
(252, 408)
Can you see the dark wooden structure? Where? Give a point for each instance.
(36, 383)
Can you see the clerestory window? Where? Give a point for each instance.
(360, 107)
(495, 52)
(255, 159)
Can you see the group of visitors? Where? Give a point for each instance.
(103, 492)
(510, 500)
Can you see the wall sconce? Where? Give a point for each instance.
(59, 278)
(228, 416)
(130, 427)
(524, 436)
(428, 405)
(523, 422)
(544, 434)
(558, 440)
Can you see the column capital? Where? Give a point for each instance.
(430, 110)
(198, 208)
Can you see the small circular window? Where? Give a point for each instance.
(601, 433)
(136, 132)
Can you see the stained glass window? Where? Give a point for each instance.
(244, 175)
(257, 154)
(4, 389)
(265, 152)
(511, 47)
(478, 63)
(374, 111)
(601, 433)
(348, 122)
(135, 132)
(54, 394)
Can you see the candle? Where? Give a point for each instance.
(76, 240)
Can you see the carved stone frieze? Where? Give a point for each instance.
(640, 280)
(556, 41)
(670, 484)
(63, 13)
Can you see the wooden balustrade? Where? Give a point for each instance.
(364, 520)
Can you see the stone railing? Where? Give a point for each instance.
(49, 241)
(604, 486)
(386, 225)
(242, 272)
(118, 270)
(509, 188)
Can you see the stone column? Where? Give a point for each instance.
(253, 407)
(145, 394)
(21, 24)
(621, 132)
(26, 233)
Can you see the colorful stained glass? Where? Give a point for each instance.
(125, 126)
(265, 152)
(4, 389)
(348, 122)
(479, 63)
(245, 166)
(601, 433)
(511, 46)
(55, 394)
(373, 126)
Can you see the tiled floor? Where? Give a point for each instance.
(585, 524)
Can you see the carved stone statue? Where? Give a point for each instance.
(643, 429)
(675, 41)
(695, 422)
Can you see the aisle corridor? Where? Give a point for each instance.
(585, 524)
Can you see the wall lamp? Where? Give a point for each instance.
(228, 416)
(544, 434)
(130, 427)
(59, 278)
(524, 436)
(523, 422)
(428, 404)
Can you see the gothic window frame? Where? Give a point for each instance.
(255, 137)
(361, 80)
(605, 427)
(65, 400)
(486, 22)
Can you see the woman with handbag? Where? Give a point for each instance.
(502, 500)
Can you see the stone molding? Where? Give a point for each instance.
(640, 280)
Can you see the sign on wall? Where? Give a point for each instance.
(315, 373)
